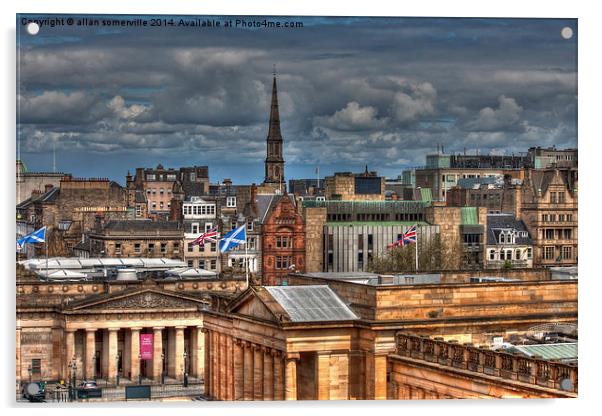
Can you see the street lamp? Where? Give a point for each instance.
(162, 368)
(117, 368)
(139, 368)
(184, 367)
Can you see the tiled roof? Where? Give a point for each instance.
(311, 303)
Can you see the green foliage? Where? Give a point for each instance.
(433, 255)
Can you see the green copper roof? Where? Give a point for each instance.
(564, 351)
(426, 195)
(469, 216)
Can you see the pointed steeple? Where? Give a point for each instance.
(274, 128)
(274, 162)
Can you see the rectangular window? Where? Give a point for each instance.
(548, 253)
(36, 367)
(561, 217)
(202, 264)
(567, 252)
(250, 225)
(138, 210)
(176, 248)
(137, 248)
(370, 242)
(518, 254)
(117, 248)
(190, 247)
(569, 217)
(553, 199)
(360, 261)
(360, 242)
(529, 252)
(233, 224)
(502, 255)
(231, 202)
(190, 263)
(214, 264)
(252, 243)
(549, 234)
(491, 254)
(208, 226)
(150, 177)
(568, 234)
(163, 247)
(195, 228)
(278, 262)
(561, 198)
(151, 248)
(213, 247)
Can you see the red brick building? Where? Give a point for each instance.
(283, 242)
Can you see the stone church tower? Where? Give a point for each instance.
(274, 162)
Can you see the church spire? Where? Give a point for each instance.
(274, 129)
(274, 162)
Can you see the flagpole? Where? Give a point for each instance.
(46, 242)
(246, 257)
(416, 248)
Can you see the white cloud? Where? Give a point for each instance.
(505, 116)
(418, 102)
(353, 117)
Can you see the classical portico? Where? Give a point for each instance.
(103, 335)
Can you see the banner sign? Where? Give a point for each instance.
(146, 346)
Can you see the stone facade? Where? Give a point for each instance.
(283, 241)
(345, 186)
(315, 220)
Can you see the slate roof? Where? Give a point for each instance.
(497, 222)
(140, 196)
(49, 196)
(311, 303)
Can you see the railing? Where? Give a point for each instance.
(516, 367)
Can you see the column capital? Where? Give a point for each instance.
(203, 329)
(158, 328)
(70, 330)
(200, 328)
(181, 327)
(91, 329)
(113, 329)
(276, 353)
(136, 328)
(292, 356)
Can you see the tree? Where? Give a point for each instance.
(434, 254)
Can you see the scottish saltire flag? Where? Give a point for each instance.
(211, 236)
(406, 238)
(233, 239)
(20, 244)
(38, 236)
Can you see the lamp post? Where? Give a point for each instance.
(29, 370)
(139, 368)
(184, 368)
(117, 368)
(162, 368)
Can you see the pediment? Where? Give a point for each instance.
(146, 299)
(258, 304)
(253, 307)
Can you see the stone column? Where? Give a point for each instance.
(207, 361)
(179, 352)
(193, 353)
(157, 351)
(223, 368)
(134, 354)
(248, 372)
(238, 370)
(215, 381)
(380, 377)
(229, 369)
(257, 373)
(112, 354)
(104, 365)
(323, 375)
(90, 372)
(69, 351)
(126, 359)
(18, 348)
(290, 379)
(268, 374)
(278, 379)
(171, 349)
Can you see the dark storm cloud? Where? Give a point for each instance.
(351, 92)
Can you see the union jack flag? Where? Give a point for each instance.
(406, 238)
(212, 235)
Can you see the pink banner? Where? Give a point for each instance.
(146, 346)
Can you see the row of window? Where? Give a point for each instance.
(518, 254)
(400, 216)
(566, 253)
(195, 227)
(283, 262)
(205, 265)
(212, 247)
(208, 209)
(150, 248)
(557, 197)
(161, 205)
(153, 191)
(165, 177)
(552, 217)
(557, 234)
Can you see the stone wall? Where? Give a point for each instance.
(315, 220)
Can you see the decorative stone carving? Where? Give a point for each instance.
(145, 300)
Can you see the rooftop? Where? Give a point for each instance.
(311, 303)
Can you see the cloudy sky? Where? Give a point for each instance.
(352, 91)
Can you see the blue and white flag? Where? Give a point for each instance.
(38, 236)
(233, 239)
